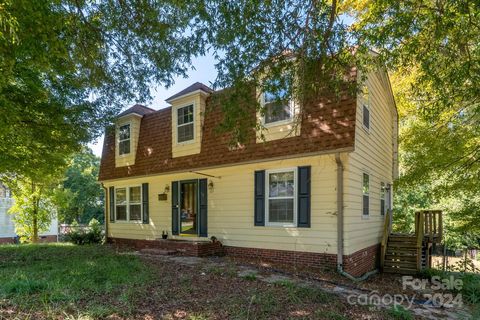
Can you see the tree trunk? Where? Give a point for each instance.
(35, 226)
(34, 238)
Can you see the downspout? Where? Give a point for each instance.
(339, 212)
(105, 210)
(340, 224)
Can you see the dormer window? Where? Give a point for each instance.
(277, 107)
(124, 139)
(185, 128)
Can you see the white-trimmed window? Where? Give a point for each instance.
(128, 204)
(185, 124)
(382, 198)
(281, 197)
(366, 108)
(124, 139)
(277, 107)
(366, 194)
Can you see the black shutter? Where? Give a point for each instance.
(145, 203)
(203, 208)
(304, 197)
(175, 208)
(111, 198)
(259, 216)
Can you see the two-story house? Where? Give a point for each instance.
(313, 192)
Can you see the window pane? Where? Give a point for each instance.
(366, 117)
(121, 196)
(366, 183)
(135, 212)
(185, 115)
(277, 111)
(124, 147)
(121, 212)
(185, 133)
(366, 200)
(280, 210)
(382, 207)
(124, 132)
(281, 184)
(135, 194)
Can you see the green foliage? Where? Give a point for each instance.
(250, 277)
(81, 197)
(287, 48)
(33, 207)
(93, 234)
(68, 66)
(433, 51)
(400, 313)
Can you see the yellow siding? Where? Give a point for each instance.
(231, 208)
(189, 147)
(373, 155)
(128, 159)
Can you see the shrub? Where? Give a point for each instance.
(90, 235)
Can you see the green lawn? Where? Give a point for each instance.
(56, 278)
(59, 281)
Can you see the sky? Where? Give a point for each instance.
(204, 72)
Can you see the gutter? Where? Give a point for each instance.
(340, 224)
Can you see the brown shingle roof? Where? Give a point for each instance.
(194, 87)
(138, 109)
(327, 125)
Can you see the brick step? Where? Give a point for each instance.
(159, 252)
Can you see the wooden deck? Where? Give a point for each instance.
(411, 253)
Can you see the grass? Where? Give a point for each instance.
(57, 281)
(68, 278)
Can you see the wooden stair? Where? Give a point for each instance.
(410, 253)
(401, 254)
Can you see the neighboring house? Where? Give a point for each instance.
(315, 198)
(7, 226)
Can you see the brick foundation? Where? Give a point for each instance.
(356, 264)
(184, 247)
(362, 261)
(309, 260)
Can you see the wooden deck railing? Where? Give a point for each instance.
(386, 233)
(430, 224)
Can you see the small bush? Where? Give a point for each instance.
(90, 235)
(400, 313)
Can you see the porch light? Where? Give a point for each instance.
(167, 189)
(210, 185)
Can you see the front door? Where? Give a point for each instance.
(189, 207)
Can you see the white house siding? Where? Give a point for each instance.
(7, 227)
